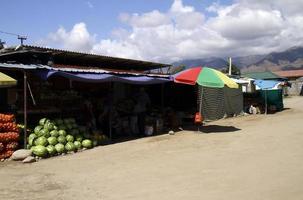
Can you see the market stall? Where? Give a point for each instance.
(211, 100)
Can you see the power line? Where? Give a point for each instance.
(8, 33)
(20, 37)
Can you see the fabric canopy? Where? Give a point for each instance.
(100, 77)
(206, 77)
(6, 81)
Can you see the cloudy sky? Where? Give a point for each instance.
(157, 30)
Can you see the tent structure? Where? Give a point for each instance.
(270, 93)
(205, 77)
(6, 81)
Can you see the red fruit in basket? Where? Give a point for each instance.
(6, 154)
(11, 146)
(1, 146)
(9, 137)
(6, 118)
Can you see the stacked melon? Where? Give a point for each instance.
(58, 137)
(9, 135)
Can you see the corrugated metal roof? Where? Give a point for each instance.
(77, 70)
(262, 75)
(290, 73)
(148, 64)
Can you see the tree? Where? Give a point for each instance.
(234, 69)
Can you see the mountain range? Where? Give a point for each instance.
(289, 59)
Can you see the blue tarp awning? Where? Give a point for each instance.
(102, 77)
(266, 84)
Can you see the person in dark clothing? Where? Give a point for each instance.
(141, 106)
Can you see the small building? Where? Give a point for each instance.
(295, 79)
(267, 75)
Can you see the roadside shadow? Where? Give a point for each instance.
(214, 129)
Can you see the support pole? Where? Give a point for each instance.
(229, 69)
(265, 102)
(111, 110)
(25, 106)
(200, 106)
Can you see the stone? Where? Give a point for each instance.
(21, 154)
(29, 159)
(171, 132)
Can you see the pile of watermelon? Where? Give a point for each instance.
(9, 135)
(57, 137)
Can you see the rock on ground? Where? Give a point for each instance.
(29, 159)
(21, 154)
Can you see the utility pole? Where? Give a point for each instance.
(1, 44)
(21, 38)
(229, 69)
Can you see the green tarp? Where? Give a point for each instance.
(274, 97)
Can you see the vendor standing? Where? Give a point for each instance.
(142, 104)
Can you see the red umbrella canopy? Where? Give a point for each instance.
(188, 76)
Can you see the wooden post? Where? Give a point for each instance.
(265, 102)
(25, 106)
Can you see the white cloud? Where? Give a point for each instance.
(78, 39)
(241, 28)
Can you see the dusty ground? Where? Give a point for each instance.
(261, 160)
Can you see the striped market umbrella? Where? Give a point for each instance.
(206, 77)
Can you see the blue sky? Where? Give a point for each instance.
(156, 30)
(36, 18)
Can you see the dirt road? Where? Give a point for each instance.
(252, 158)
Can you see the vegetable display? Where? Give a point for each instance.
(9, 135)
(55, 137)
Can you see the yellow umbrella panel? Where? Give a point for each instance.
(7, 81)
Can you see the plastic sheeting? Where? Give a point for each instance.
(273, 97)
(99, 78)
(266, 84)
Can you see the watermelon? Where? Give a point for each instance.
(82, 129)
(70, 146)
(78, 145)
(52, 140)
(69, 126)
(44, 132)
(32, 136)
(87, 143)
(37, 129)
(58, 121)
(43, 121)
(40, 151)
(31, 139)
(59, 148)
(51, 150)
(49, 126)
(75, 132)
(79, 138)
(62, 127)
(41, 141)
(54, 133)
(28, 146)
(95, 143)
(70, 138)
(61, 139)
(62, 133)
(66, 121)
